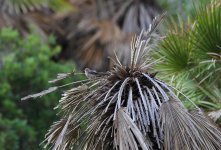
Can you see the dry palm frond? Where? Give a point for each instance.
(40, 21)
(62, 76)
(104, 27)
(37, 15)
(131, 15)
(128, 129)
(94, 42)
(24, 22)
(127, 108)
(215, 115)
(134, 16)
(14, 7)
(183, 130)
(45, 92)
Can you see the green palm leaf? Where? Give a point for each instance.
(176, 51)
(191, 54)
(207, 32)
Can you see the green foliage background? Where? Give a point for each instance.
(26, 67)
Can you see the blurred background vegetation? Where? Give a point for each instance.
(41, 38)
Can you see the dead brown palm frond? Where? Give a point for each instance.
(94, 41)
(41, 21)
(128, 129)
(16, 7)
(184, 130)
(134, 16)
(37, 15)
(131, 15)
(128, 108)
(215, 115)
(101, 27)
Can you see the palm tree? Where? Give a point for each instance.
(128, 108)
(191, 58)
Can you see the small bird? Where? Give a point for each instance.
(92, 74)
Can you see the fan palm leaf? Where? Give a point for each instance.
(176, 50)
(128, 108)
(191, 54)
(207, 35)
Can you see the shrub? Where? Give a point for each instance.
(26, 66)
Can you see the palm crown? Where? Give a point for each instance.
(128, 108)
